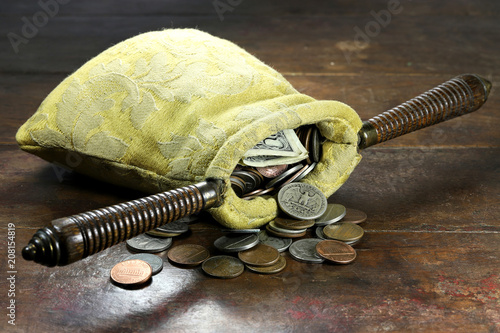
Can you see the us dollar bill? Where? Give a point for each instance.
(283, 143)
(263, 161)
(283, 147)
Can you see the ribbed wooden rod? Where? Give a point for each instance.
(72, 238)
(461, 95)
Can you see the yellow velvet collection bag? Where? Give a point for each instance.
(171, 108)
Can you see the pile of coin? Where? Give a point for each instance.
(250, 182)
(260, 251)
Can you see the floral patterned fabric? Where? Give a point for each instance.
(171, 108)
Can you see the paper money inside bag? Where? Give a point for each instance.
(174, 112)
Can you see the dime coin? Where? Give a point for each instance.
(343, 231)
(335, 251)
(305, 250)
(273, 226)
(293, 223)
(278, 180)
(259, 255)
(282, 234)
(302, 201)
(169, 230)
(131, 272)
(315, 147)
(236, 242)
(319, 233)
(272, 171)
(225, 267)
(275, 268)
(155, 262)
(354, 216)
(332, 214)
(280, 244)
(148, 244)
(188, 254)
(306, 172)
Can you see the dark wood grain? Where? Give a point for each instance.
(430, 255)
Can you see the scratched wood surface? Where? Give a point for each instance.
(430, 258)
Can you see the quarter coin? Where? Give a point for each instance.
(335, 251)
(225, 267)
(236, 242)
(275, 268)
(280, 244)
(188, 254)
(148, 244)
(260, 255)
(293, 224)
(131, 272)
(302, 201)
(155, 262)
(332, 214)
(354, 216)
(304, 250)
(344, 231)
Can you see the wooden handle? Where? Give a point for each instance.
(72, 238)
(458, 96)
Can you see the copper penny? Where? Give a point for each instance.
(282, 234)
(260, 255)
(272, 171)
(343, 231)
(225, 267)
(275, 268)
(336, 251)
(293, 224)
(131, 272)
(188, 254)
(354, 216)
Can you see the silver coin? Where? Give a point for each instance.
(241, 231)
(302, 201)
(274, 227)
(175, 227)
(148, 244)
(319, 233)
(236, 242)
(237, 185)
(189, 219)
(280, 244)
(315, 150)
(304, 250)
(155, 262)
(332, 214)
(281, 178)
(306, 172)
(251, 178)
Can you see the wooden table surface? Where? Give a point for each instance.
(430, 257)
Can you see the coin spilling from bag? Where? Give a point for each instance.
(333, 227)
